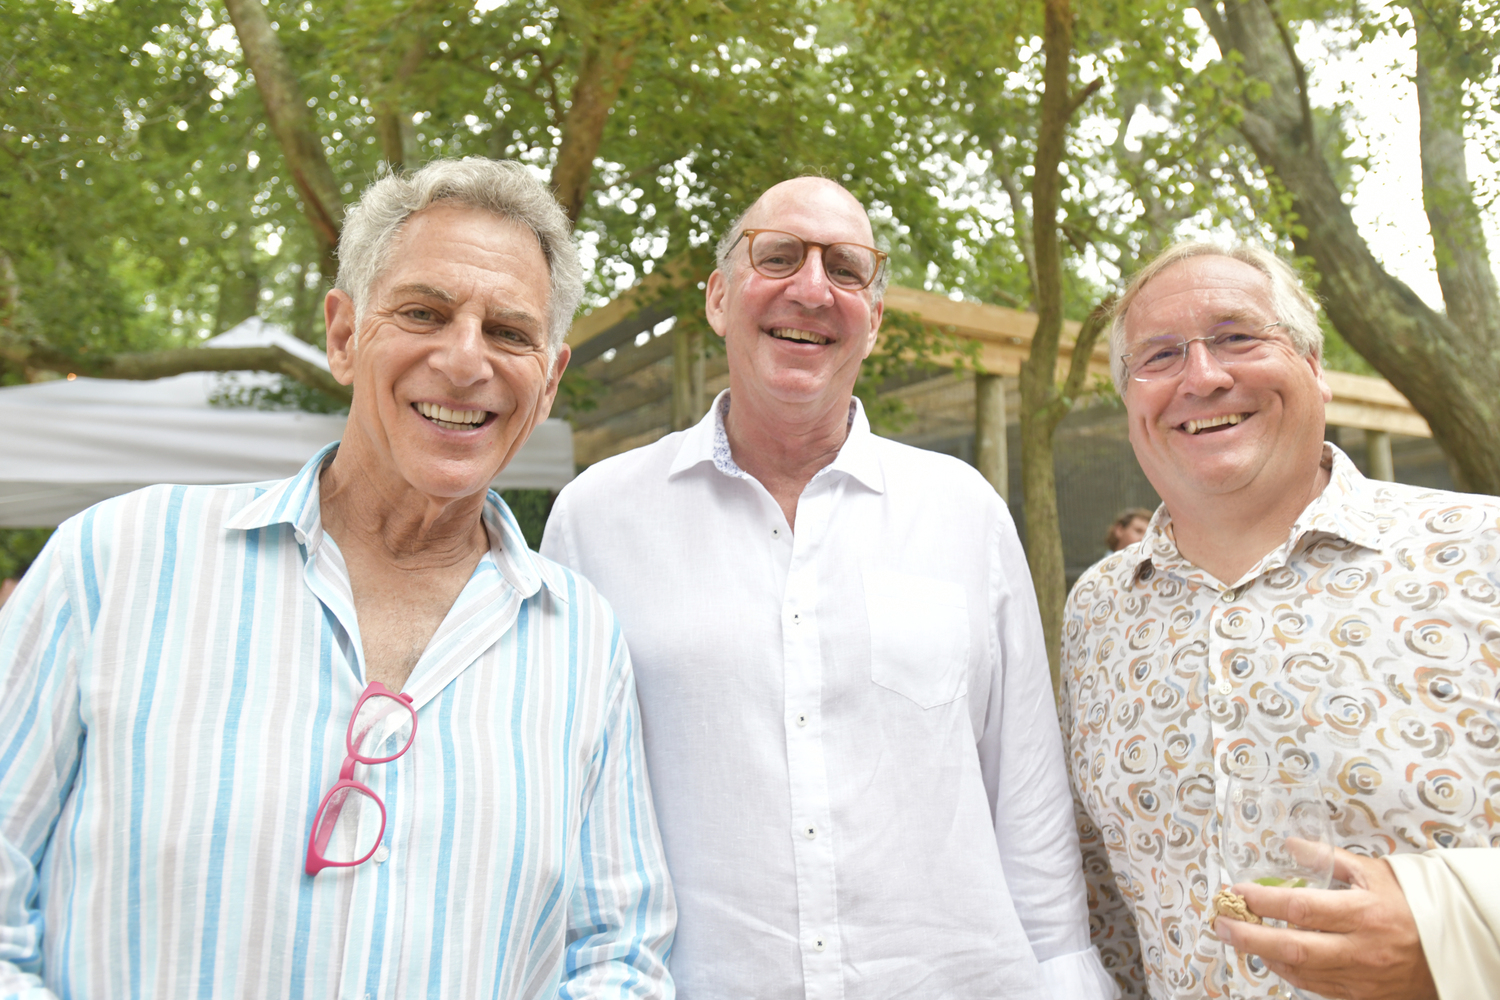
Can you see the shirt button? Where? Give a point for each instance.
(381, 853)
(1225, 687)
(300, 536)
(801, 718)
(810, 832)
(796, 618)
(819, 944)
(775, 532)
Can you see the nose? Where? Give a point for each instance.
(462, 355)
(1202, 373)
(810, 285)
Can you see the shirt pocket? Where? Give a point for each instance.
(919, 636)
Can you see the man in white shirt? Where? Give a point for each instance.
(1282, 614)
(844, 690)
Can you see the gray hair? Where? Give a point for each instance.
(1293, 306)
(373, 226)
(736, 231)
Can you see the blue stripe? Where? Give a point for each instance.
(64, 984)
(316, 755)
(518, 751)
(445, 842)
(224, 799)
(28, 718)
(141, 723)
(90, 571)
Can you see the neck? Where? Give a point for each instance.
(400, 527)
(1230, 534)
(785, 443)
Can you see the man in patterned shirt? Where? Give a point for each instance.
(1282, 610)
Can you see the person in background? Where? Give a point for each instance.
(844, 688)
(343, 734)
(1282, 613)
(1128, 528)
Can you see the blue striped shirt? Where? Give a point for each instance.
(177, 673)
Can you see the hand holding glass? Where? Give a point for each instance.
(1277, 832)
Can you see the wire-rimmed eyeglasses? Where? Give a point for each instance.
(850, 266)
(1232, 342)
(350, 821)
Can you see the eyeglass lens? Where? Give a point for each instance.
(777, 255)
(382, 729)
(1228, 343)
(349, 826)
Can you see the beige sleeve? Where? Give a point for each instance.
(1455, 898)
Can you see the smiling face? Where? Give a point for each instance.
(796, 342)
(450, 369)
(1253, 429)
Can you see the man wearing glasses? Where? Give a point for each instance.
(844, 688)
(1282, 614)
(343, 734)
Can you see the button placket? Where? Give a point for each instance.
(811, 827)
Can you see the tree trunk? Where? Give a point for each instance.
(294, 126)
(397, 135)
(1043, 402)
(239, 285)
(1447, 366)
(604, 68)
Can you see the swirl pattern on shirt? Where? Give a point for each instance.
(1366, 649)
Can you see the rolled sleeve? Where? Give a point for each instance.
(622, 913)
(39, 639)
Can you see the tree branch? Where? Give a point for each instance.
(32, 352)
(1297, 68)
(1083, 348)
(292, 124)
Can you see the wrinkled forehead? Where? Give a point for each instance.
(1193, 295)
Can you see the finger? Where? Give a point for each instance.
(1306, 951)
(1317, 909)
(1312, 982)
(1355, 869)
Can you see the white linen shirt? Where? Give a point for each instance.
(850, 730)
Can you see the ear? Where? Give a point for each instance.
(549, 394)
(1316, 363)
(713, 301)
(338, 315)
(877, 313)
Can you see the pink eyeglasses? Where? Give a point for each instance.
(345, 832)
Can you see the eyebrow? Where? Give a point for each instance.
(493, 314)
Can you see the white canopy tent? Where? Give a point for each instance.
(70, 443)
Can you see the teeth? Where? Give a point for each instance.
(453, 420)
(802, 336)
(1194, 426)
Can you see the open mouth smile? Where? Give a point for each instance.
(798, 336)
(452, 420)
(1210, 424)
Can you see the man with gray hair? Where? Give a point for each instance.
(1284, 622)
(343, 734)
(844, 689)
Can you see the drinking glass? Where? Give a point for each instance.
(1277, 831)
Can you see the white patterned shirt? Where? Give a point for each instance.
(177, 673)
(850, 728)
(1365, 648)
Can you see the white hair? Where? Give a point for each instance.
(373, 226)
(1295, 309)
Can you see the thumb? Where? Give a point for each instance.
(1356, 870)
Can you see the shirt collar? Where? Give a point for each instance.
(295, 501)
(1345, 509)
(708, 441)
